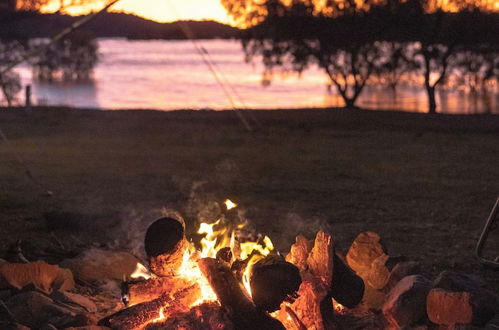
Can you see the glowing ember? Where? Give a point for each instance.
(161, 316)
(339, 308)
(230, 204)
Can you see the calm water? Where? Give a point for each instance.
(170, 75)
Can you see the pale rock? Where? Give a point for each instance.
(364, 250)
(99, 264)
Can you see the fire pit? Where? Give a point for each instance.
(234, 281)
(230, 277)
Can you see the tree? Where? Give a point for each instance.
(399, 62)
(337, 37)
(477, 67)
(72, 58)
(10, 83)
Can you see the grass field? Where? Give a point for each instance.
(424, 183)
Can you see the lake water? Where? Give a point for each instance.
(169, 75)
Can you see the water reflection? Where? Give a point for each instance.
(79, 94)
(170, 75)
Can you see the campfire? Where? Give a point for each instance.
(235, 279)
(227, 276)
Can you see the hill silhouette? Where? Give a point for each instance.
(107, 25)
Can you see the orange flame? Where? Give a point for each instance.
(141, 272)
(339, 308)
(230, 204)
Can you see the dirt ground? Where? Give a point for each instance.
(425, 183)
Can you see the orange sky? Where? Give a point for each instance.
(171, 10)
(167, 10)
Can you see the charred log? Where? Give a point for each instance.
(224, 254)
(347, 287)
(241, 311)
(138, 316)
(205, 316)
(272, 280)
(165, 244)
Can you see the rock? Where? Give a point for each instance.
(74, 299)
(14, 326)
(400, 271)
(363, 251)
(459, 299)
(89, 327)
(98, 264)
(48, 327)
(30, 308)
(37, 310)
(381, 269)
(39, 274)
(405, 304)
(5, 294)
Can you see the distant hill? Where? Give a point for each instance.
(111, 25)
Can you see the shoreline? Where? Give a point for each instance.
(308, 118)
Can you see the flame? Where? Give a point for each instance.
(339, 308)
(141, 272)
(190, 270)
(161, 316)
(248, 249)
(217, 235)
(230, 204)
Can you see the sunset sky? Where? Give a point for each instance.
(167, 10)
(171, 10)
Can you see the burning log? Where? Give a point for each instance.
(165, 244)
(205, 316)
(273, 280)
(147, 290)
(138, 316)
(241, 311)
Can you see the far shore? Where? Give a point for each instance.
(425, 183)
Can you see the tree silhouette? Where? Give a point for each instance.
(10, 83)
(72, 58)
(348, 39)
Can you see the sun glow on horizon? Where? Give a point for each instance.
(157, 10)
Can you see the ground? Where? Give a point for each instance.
(425, 183)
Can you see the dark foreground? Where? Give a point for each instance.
(424, 183)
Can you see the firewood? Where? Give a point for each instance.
(347, 287)
(307, 308)
(299, 252)
(320, 261)
(317, 268)
(147, 290)
(165, 244)
(205, 316)
(138, 316)
(273, 279)
(241, 311)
